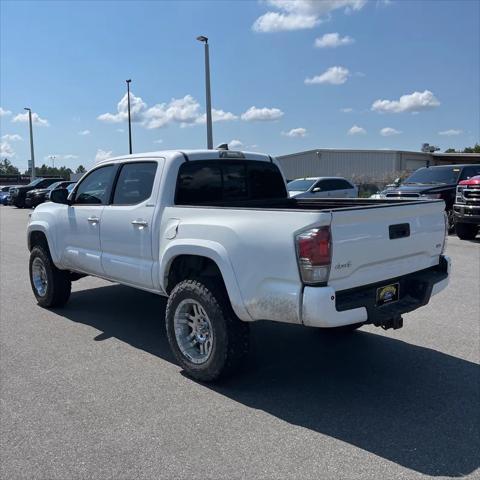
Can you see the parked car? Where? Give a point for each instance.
(19, 193)
(4, 193)
(466, 210)
(435, 182)
(319, 187)
(216, 232)
(39, 195)
(6, 198)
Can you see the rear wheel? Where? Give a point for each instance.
(205, 335)
(50, 285)
(466, 231)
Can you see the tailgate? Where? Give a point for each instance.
(376, 243)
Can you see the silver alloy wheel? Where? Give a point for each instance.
(39, 276)
(193, 331)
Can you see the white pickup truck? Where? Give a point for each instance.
(215, 231)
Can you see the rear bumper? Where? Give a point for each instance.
(326, 308)
(467, 213)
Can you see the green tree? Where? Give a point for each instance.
(6, 168)
(80, 169)
(474, 149)
(46, 171)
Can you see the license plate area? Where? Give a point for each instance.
(387, 294)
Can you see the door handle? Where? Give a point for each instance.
(93, 219)
(140, 223)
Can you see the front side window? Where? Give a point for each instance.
(339, 184)
(135, 182)
(325, 185)
(95, 188)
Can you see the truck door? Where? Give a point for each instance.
(126, 233)
(79, 235)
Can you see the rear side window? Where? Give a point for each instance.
(198, 184)
(135, 182)
(211, 182)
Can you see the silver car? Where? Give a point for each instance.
(319, 187)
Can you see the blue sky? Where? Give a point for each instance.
(410, 67)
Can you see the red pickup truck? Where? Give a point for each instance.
(466, 209)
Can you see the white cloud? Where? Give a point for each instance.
(333, 76)
(300, 14)
(84, 132)
(11, 137)
(413, 102)
(278, 22)
(36, 120)
(159, 141)
(333, 40)
(6, 150)
(451, 133)
(184, 111)
(346, 110)
(235, 144)
(356, 130)
(296, 132)
(217, 116)
(137, 107)
(102, 155)
(388, 132)
(4, 113)
(261, 114)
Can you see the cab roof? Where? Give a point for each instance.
(170, 155)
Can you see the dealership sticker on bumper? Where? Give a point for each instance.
(388, 294)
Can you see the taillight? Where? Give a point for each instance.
(314, 251)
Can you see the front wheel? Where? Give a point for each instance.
(466, 231)
(206, 337)
(50, 285)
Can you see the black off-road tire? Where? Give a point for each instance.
(466, 231)
(58, 286)
(231, 340)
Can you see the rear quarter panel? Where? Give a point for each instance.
(256, 252)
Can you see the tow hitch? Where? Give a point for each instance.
(395, 323)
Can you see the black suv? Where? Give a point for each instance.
(19, 194)
(435, 182)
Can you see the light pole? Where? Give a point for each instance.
(32, 154)
(129, 118)
(52, 158)
(204, 40)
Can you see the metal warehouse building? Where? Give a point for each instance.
(375, 165)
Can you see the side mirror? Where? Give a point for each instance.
(316, 190)
(60, 195)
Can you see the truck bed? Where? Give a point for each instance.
(315, 204)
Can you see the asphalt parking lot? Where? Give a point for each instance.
(92, 391)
